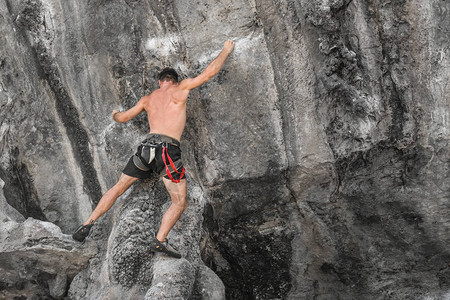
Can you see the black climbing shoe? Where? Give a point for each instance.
(82, 232)
(164, 247)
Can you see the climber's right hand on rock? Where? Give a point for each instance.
(228, 46)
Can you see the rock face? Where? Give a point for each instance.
(318, 159)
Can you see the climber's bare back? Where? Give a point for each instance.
(166, 110)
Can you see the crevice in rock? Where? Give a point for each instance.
(398, 115)
(30, 19)
(76, 132)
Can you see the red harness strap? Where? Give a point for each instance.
(164, 153)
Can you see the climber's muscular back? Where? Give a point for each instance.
(166, 110)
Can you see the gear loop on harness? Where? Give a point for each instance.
(145, 154)
(165, 153)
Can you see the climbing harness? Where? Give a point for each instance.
(172, 165)
(145, 155)
(146, 152)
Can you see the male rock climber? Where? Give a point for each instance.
(159, 154)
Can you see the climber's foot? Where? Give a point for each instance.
(82, 232)
(164, 247)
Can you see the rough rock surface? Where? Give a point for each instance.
(38, 260)
(318, 159)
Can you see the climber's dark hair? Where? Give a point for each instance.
(168, 74)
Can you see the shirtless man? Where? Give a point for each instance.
(160, 153)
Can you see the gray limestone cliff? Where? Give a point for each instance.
(317, 160)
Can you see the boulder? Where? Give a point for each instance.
(36, 257)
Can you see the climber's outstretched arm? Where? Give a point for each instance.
(212, 69)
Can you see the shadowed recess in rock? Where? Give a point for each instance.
(248, 243)
(19, 188)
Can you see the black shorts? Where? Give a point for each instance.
(139, 167)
